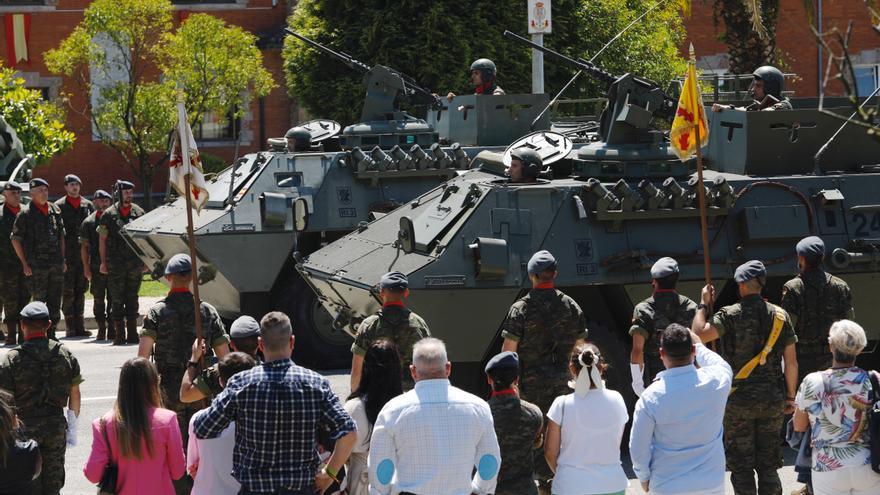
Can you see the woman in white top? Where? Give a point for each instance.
(582, 444)
(833, 404)
(380, 382)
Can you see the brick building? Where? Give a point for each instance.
(49, 21)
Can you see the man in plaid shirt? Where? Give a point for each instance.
(278, 408)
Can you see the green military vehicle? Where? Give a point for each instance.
(245, 236)
(609, 211)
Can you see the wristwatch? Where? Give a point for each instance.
(701, 306)
(192, 364)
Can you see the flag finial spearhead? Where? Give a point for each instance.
(693, 57)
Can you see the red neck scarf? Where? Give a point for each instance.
(662, 291)
(544, 285)
(507, 391)
(99, 214)
(74, 202)
(42, 209)
(35, 336)
(485, 88)
(399, 304)
(13, 209)
(125, 210)
(178, 290)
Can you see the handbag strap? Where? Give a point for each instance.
(106, 439)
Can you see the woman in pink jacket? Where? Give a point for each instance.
(145, 441)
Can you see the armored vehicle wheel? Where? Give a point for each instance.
(318, 345)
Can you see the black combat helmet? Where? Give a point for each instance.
(774, 82)
(486, 67)
(302, 136)
(531, 161)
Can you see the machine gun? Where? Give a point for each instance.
(384, 85)
(633, 102)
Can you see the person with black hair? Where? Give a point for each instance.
(379, 383)
(651, 317)
(519, 426)
(582, 445)
(209, 461)
(676, 438)
(20, 459)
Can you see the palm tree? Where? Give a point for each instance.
(750, 32)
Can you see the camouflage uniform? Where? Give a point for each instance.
(125, 270)
(546, 324)
(41, 237)
(40, 374)
(652, 316)
(814, 300)
(517, 424)
(208, 381)
(74, 294)
(88, 236)
(171, 324)
(753, 418)
(13, 290)
(397, 324)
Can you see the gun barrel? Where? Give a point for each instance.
(580, 63)
(344, 57)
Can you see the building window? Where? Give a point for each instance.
(867, 79)
(217, 127)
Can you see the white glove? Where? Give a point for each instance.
(638, 382)
(71, 428)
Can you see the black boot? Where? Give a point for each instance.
(102, 328)
(11, 331)
(131, 326)
(81, 327)
(119, 336)
(69, 326)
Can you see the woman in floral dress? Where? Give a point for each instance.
(833, 405)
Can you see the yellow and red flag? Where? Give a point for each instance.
(689, 115)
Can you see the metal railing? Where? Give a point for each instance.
(725, 87)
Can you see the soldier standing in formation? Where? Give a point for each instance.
(90, 255)
(525, 166)
(122, 266)
(814, 300)
(394, 322)
(44, 377)
(74, 209)
(170, 326)
(651, 317)
(197, 385)
(38, 239)
(756, 337)
(543, 327)
(518, 426)
(13, 290)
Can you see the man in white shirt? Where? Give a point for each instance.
(209, 461)
(429, 440)
(676, 442)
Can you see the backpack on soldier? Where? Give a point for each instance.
(874, 422)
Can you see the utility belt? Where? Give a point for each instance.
(47, 412)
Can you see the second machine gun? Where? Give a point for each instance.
(633, 102)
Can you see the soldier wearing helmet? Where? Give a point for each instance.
(766, 89)
(298, 139)
(483, 74)
(525, 165)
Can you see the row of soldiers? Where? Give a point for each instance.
(55, 251)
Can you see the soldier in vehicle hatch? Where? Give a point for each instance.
(766, 89)
(483, 73)
(298, 139)
(394, 322)
(525, 165)
(651, 317)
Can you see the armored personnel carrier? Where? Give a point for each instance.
(270, 204)
(610, 210)
(14, 163)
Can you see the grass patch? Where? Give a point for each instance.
(149, 288)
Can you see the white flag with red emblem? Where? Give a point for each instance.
(179, 167)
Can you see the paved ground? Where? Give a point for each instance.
(100, 363)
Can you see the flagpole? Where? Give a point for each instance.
(191, 240)
(701, 191)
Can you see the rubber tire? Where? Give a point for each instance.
(297, 300)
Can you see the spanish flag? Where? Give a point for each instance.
(689, 115)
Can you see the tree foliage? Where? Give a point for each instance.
(436, 42)
(125, 54)
(750, 33)
(38, 123)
